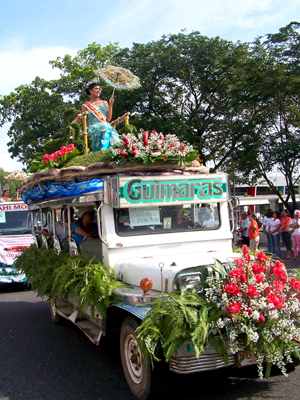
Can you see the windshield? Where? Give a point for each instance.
(165, 219)
(13, 222)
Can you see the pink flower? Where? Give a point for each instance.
(46, 157)
(259, 278)
(251, 291)
(295, 284)
(239, 262)
(249, 311)
(134, 153)
(234, 308)
(245, 250)
(280, 274)
(233, 289)
(276, 300)
(70, 147)
(257, 269)
(238, 274)
(278, 286)
(261, 257)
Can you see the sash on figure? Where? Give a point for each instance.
(96, 112)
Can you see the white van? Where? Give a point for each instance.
(14, 238)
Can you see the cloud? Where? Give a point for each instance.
(230, 19)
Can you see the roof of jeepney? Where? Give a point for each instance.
(55, 181)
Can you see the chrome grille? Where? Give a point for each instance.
(206, 362)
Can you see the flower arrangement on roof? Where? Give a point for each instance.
(148, 147)
(261, 310)
(55, 160)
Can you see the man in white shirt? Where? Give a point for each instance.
(244, 229)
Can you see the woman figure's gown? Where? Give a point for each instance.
(103, 134)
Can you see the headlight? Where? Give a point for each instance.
(190, 281)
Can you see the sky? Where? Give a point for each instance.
(33, 32)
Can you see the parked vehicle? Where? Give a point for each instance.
(14, 238)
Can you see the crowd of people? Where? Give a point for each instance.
(277, 227)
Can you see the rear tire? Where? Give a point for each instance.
(56, 318)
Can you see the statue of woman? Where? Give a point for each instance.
(99, 114)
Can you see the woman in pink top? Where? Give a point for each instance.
(286, 235)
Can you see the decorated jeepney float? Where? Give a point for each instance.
(161, 269)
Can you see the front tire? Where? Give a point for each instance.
(137, 369)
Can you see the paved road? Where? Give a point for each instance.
(42, 361)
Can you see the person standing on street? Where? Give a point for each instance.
(266, 221)
(253, 233)
(244, 229)
(274, 227)
(286, 235)
(295, 225)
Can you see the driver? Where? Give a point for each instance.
(85, 226)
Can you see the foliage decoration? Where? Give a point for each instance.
(174, 320)
(149, 147)
(60, 275)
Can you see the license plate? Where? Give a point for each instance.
(246, 358)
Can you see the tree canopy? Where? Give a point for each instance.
(237, 103)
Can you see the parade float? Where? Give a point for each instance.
(161, 269)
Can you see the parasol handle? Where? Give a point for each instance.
(85, 134)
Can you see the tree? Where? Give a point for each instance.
(35, 115)
(271, 87)
(187, 82)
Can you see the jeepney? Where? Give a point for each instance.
(15, 237)
(167, 227)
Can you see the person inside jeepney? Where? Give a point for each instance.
(85, 228)
(209, 222)
(103, 135)
(59, 226)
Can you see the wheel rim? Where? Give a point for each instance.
(133, 359)
(52, 308)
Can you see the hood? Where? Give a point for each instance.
(162, 269)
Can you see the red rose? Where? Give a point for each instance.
(278, 286)
(259, 278)
(257, 269)
(237, 273)
(295, 284)
(234, 308)
(233, 289)
(262, 318)
(251, 291)
(276, 300)
(239, 262)
(260, 257)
